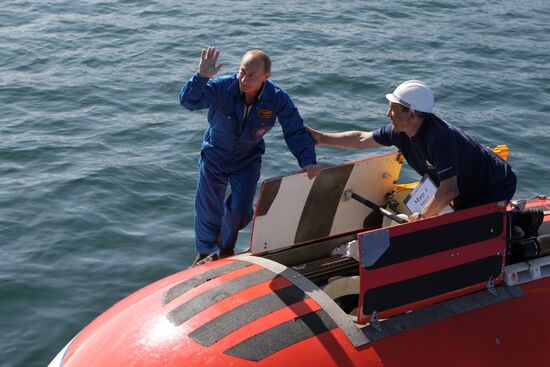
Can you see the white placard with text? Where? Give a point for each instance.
(422, 194)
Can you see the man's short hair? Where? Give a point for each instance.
(262, 56)
(418, 114)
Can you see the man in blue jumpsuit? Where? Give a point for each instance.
(464, 171)
(242, 108)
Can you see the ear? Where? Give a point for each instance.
(267, 75)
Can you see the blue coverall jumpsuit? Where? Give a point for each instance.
(231, 152)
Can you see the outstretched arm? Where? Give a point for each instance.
(297, 138)
(347, 139)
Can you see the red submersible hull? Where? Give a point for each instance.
(328, 281)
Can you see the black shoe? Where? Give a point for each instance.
(226, 252)
(529, 221)
(203, 259)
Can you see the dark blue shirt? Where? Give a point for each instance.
(442, 151)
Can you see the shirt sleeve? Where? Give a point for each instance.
(198, 93)
(385, 136)
(298, 140)
(445, 153)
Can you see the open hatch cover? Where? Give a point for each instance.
(293, 209)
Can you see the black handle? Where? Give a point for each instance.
(373, 206)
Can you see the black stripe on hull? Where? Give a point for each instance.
(197, 280)
(282, 336)
(442, 238)
(269, 193)
(322, 202)
(430, 285)
(236, 318)
(185, 311)
(538, 207)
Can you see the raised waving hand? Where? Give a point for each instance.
(207, 63)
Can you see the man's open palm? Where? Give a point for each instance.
(207, 63)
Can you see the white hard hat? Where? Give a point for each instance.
(413, 94)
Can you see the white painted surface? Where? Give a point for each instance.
(277, 228)
(371, 178)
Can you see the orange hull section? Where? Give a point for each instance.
(136, 332)
(157, 326)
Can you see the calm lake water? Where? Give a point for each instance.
(98, 162)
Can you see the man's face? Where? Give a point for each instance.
(252, 75)
(400, 119)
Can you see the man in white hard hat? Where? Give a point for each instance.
(464, 171)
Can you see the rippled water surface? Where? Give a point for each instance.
(98, 162)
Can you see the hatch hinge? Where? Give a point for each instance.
(491, 287)
(375, 321)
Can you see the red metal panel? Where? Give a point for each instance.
(437, 262)
(429, 264)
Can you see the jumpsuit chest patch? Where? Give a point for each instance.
(260, 131)
(265, 114)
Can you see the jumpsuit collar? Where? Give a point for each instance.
(266, 93)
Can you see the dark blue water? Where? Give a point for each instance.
(98, 162)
